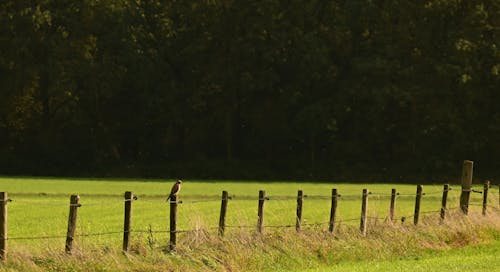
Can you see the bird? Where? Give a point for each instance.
(175, 189)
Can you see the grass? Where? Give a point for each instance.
(474, 258)
(40, 208)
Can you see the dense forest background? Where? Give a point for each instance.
(359, 89)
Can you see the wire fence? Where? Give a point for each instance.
(377, 196)
(193, 210)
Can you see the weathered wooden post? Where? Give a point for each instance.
(260, 212)
(173, 222)
(127, 220)
(393, 204)
(333, 210)
(73, 213)
(485, 196)
(298, 218)
(417, 204)
(223, 209)
(364, 206)
(3, 225)
(466, 185)
(444, 199)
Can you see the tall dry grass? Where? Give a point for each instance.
(274, 250)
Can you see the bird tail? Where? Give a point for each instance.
(168, 198)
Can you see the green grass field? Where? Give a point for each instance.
(38, 213)
(477, 258)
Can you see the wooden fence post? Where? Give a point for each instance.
(173, 222)
(417, 204)
(485, 196)
(74, 203)
(333, 210)
(127, 220)
(223, 209)
(466, 185)
(364, 212)
(3, 225)
(298, 219)
(393, 204)
(444, 199)
(260, 212)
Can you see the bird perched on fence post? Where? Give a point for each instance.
(175, 189)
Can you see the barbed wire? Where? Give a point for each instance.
(351, 219)
(242, 226)
(98, 234)
(204, 200)
(64, 236)
(277, 198)
(36, 237)
(41, 203)
(107, 203)
(426, 212)
(321, 197)
(279, 226)
(314, 224)
(338, 221)
(105, 233)
(234, 198)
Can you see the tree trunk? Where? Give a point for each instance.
(229, 135)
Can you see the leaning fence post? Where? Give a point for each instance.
(485, 196)
(466, 185)
(127, 218)
(417, 204)
(333, 210)
(298, 218)
(73, 212)
(173, 222)
(393, 204)
(3, 225)
(260, 212)
(364, 212)
(444, 199)
(223, 209)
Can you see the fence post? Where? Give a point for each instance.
(74, 203)
(444, 199)
(417, 204)
(298, 219)
(333, 210)
(260, 212)
(393, 204)
(364, 212)
(485, 196)
(173, 222)
(3, 225)
(127, 218)
(223, 209)
(466, 185)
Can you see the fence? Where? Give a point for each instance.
(261, 200)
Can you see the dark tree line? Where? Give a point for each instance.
(244, 89)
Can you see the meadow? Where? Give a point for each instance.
(38, 216)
